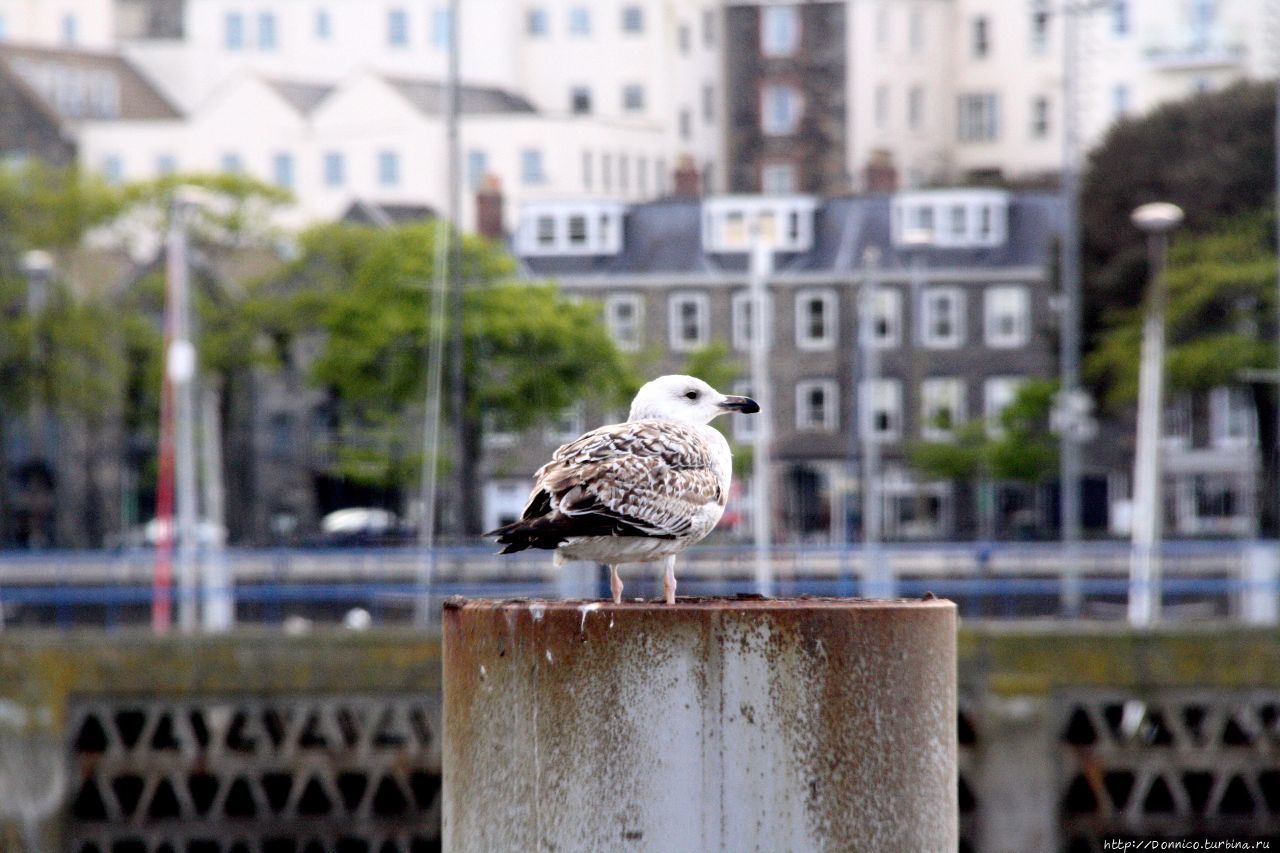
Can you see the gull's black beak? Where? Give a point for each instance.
(740, 404)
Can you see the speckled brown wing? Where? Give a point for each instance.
(642, 478)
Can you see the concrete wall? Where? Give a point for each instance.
(1066, 733)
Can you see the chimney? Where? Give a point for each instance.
(687, 180)
(489, 208)
(880, 175)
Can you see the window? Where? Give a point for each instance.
(816, 405)
(780, 112)
(335, 169)
(1120, 17)
(979, 119)
(815, 319)
(267, 36)
(958, 221)
(1178, 421)
(398, 28)
(545, 227)
(623, 316)
(531, 166)
(633, 98)
(1120, 100)
(577, 231)
(233, 31)
(606, 171)
(885, 318)
(882, 105)
(779, 30)
(686, 124)
(981, 33)
(580, 100)
(1039, 117)
(1201, 15)
(915, 107)
(632, 19)
(624, 172)
(880, 407)
(642, 175)
(388, 168)
(535, 22)
(684, 38)
(232, 164)
(688, 321)
(660, 175)
(778, 178)
(744, 429)
(743, 328)
(1231, 417)
(282, 170)
(477, 168)
(882, 26)
(1007, 315)
(588, 170)
(441, 28)
(998, 392)
(708, 103)
(915, 31)
(166, 164)
(324, 27)
(941, 408)
(708, 28)
(567, 426)
(942, 318)
(4, 27)
(1040, 26)
(112, 169)
(69, 29)
(580, 21)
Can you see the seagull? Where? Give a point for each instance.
(635, 492)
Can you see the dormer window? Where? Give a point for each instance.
(951, 219)
(570, 228)
(732, 223)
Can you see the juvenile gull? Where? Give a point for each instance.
(638, 491)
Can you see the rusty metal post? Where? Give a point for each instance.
(713, 725)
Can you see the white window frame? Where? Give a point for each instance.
(937, 394)
(995, 302)
(997, 393)
(779, 30)
(978, 118)
(773, 123)
(886, 303)
(928, 311)
(875, 396)
(627, 341)
(739, 313)
(677, 340)
(568, 425)
(831, 304)
(1224, 429)
(830, 420)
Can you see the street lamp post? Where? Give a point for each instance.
(1157, 220)
(761, 462)
(876, 580)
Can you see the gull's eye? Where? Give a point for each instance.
(691, 395)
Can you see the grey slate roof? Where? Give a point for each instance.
(303, 97)
(76, 85)
(430, 97)
(665, 236)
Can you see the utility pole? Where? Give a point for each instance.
(180, 369)
(761, 448)
(876, 580)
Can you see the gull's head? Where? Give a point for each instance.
(686, 399)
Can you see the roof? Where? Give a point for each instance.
(430, 97)
(385, 215)
(665, 236)
(79, 85)
(303, 97)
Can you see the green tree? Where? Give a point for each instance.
(1220, 322)
(530, 352)
(1023, 450)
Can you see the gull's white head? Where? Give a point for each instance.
(686, 399)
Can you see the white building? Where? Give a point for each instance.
(88, 24)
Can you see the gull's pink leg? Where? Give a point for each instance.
(615, 584)
(669, 580)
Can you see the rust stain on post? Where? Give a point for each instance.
(715, 724)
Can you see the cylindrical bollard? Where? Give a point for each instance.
(710, 725)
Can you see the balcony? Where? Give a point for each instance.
(1195, 48)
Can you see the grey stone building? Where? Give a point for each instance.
(960, 321)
